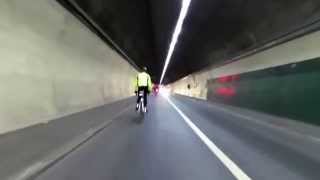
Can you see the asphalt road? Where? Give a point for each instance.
(166, 146)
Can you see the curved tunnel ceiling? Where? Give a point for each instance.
(214, 30)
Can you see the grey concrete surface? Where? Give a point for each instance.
(263, 151)
(162, 146)
(299, 128)
(26, 151)
(52, 65)
(128, 27)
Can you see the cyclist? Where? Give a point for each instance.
(143, 83)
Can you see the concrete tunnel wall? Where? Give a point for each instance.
(283, 81)
(52, 65)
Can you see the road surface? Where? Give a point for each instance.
(185, 139)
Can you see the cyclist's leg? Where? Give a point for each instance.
(138, 98)
(145, 97)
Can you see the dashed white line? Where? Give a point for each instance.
(233, 168)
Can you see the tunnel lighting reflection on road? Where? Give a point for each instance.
(165, 91)
(177, 31)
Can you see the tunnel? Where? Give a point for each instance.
(159, 90)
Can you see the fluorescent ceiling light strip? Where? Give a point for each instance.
(177, 31)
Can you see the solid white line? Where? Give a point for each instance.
(233, 168)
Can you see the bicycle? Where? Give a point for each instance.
(141, 108)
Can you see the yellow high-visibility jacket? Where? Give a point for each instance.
(143, 79)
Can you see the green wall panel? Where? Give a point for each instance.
(291, 90)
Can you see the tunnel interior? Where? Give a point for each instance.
(214, 32)
(241, 90)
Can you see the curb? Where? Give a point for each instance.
(36, 169)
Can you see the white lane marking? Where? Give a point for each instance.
(233, 168)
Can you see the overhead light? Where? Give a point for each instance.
(175, 36)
